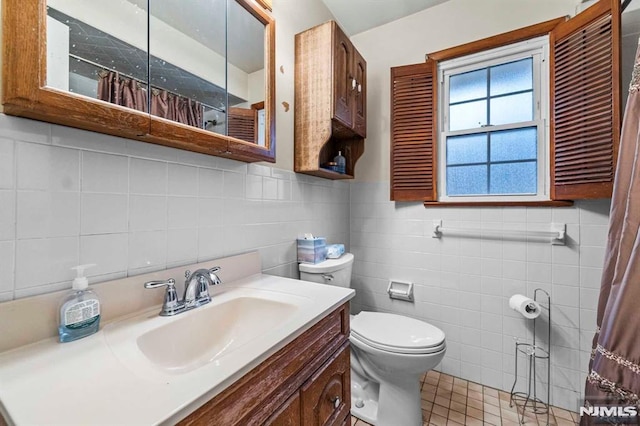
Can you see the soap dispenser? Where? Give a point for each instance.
(341, 163)
(79, 310)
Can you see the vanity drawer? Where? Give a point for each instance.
(254, 398)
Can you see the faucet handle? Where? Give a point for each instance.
(156, 284)
(214, 278)
(171, 304)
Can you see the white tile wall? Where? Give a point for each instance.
(69, 196)
(463, 283)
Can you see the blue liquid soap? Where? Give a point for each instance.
(79, 310)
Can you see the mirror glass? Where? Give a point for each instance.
(246, 74)
(200, 63)
(187, 42)
(99, 50)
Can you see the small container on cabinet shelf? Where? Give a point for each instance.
(341, 163)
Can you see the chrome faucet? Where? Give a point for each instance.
(196, 291)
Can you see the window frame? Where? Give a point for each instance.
(536, 48)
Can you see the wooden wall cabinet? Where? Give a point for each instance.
(330, 101)
(306, 383)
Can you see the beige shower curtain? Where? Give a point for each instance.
(614, 370)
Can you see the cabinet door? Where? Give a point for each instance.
(326, 397)
(342, 78)
(288, 414)
(360, 94)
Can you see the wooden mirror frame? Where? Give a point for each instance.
(24, 72)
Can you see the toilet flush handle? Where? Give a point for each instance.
(327, 277)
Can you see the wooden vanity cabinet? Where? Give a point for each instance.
(330, 100)
(307, 382)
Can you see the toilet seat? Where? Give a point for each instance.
(396, 333)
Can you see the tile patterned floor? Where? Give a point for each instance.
(449, 401)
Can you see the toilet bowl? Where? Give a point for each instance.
(389, 354)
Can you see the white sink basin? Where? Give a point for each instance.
(154, 346)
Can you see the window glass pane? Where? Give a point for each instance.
(511, 109)
(512, 77)
(517, 144)
(514, 178)
(467, 86)
(468, 115)
(467, 149)
(466, 180)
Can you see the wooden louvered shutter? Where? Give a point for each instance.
(413, 132)
(243, 124)
(585, 103)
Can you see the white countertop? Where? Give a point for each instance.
(86, 382)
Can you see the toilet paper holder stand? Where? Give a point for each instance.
(534, 352)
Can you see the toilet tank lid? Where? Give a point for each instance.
(329, 265)
(396, 330)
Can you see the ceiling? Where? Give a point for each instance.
(356, 16)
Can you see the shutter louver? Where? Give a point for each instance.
(242, 124)
(413, 146)
(585, 96)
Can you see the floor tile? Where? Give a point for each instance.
(475, 404)
(462, 390)
(458, 407)
(474, 412)
(451, 401)
(470, 421)
(493, 420)
(475, 387)
(491, 400)
(491, 409)
(440, 411)
(456, 397)
(460, 382)
(490, 391)
(475, 395)
(443, 401)
(446, 378)
(437, 420)
(457, 417)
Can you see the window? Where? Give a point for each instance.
(493, 139)
(486, 122)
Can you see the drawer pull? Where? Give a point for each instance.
(336, 401)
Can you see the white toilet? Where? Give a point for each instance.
(389, 354)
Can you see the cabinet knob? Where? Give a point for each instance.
(336, 401)
(354, 83)
(359, 88)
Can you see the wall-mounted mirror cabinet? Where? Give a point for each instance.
(195, 75)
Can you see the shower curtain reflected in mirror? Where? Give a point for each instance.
(131, 93)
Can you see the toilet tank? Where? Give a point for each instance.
(331, 271)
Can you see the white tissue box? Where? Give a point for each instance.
(334, 251)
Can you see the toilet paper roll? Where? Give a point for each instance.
(529, 308)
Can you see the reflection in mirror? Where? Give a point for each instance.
(205, 68)
(98, 49)
(188, 64)
(246, 74)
